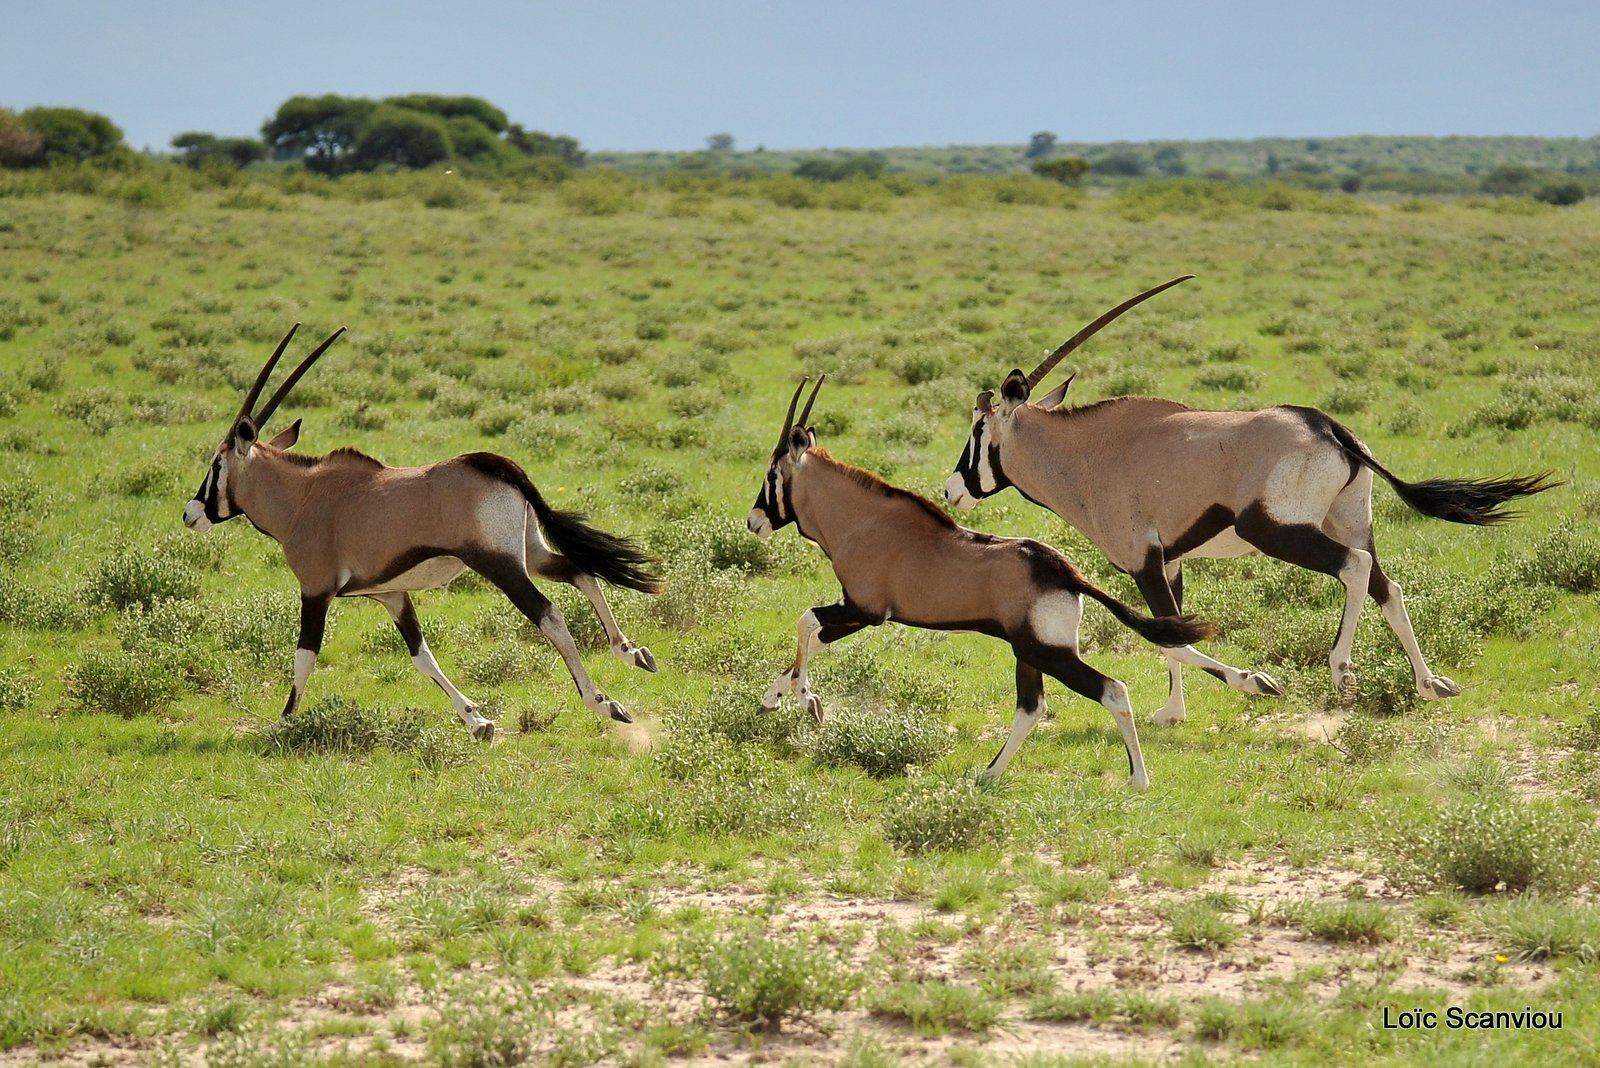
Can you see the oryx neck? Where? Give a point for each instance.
(274, 491)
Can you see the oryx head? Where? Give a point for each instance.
(214, 502)
(773, 508)
(980, 472)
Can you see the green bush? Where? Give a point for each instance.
(935, 814)
(17, 690)
(488, 1026)
(724, 788)
(763, 977)
(137, 577)
(36, 608)
(1567, 557)
(123, 685)
(1537, 929)
(1489, 842)
(880, 741)
(1350, 921)
(1201, 925)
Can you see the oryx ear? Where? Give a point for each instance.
(985, 402)
(287, 438)
(800, 439)
(1013, 391)
(1057, 395)
(244, 435)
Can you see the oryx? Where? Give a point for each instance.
(352, 527)
(900, 558)
(1152, 483)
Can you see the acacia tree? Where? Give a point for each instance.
(404, 138)
(1040, 145)
(207, 150)
(69, 135)
(18, 144)
(322, 129)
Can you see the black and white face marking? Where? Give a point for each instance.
(977, 474)
(771, 511)
(212, 503)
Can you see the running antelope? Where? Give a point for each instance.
(352, 527)
(899, 557)
(1153, 483)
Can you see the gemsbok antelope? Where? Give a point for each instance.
(900, 558)
(353, 527)
(1153, 483)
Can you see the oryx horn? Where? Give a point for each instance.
(1089, 331)
(288, 383)
(266, 373)
(806, 413)
(788, 419)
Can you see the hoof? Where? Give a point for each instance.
(636, 656)
(1135, 783)
(615, 711)
(1437, 688)
(814, 706)
(1261, 684)
(1163, 718)
(1345, 683)
(484, 731)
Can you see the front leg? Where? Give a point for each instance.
(313, 623)
(821, 626)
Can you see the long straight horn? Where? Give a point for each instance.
(788, 420)
(806, 414)
(1089, 331)
(266, 373)
(288, 383)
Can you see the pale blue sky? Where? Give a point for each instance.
(628, 74)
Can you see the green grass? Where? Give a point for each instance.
(179, 870)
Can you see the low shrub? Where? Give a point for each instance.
(933, 814)
(40, 608)
(760, 976)
(1201, 925)
(135, 576)
(1489, 842)
(123, 685)
(880, 741)
(1567, 557)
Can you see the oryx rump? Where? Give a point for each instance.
(1153, 483)
(900, 558)
(353, 527)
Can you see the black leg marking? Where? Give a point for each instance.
(313, 624)
(1300, 544)
(406, 623)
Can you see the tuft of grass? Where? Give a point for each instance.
(937, 1007)
(1253, 1025)
(1201, 925)
(488, 1026)
(1539, 929)
(1133, 1009)
(1361, 922)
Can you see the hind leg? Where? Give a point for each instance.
(546, 563)
(509, 575)
(405, 621)
(820, 626)
(1030, 710)
(1308, 546)
(1161, 583)
(1350, 520)
(1065, 665)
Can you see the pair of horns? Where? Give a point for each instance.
(788, 420)
(288, 383)
(1089, 331)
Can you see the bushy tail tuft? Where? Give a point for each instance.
(615, 559)
(1478, 502)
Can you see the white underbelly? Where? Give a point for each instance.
(1224, 544)
(425, 576)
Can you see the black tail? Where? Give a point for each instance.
(1165, 631)
(615, 559)
(1478, 502)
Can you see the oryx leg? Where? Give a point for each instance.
(820, 626)
(313, 623)
(1030, 710)
(1161, 583)
(1307, 546)
(1350, 521)
(546, 563)
(405, 620)
(510, 576)
(1065, 664)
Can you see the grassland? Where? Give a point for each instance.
(183, 880)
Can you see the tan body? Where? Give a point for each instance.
(350, 527)
(1153, 483)
(899, 558)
